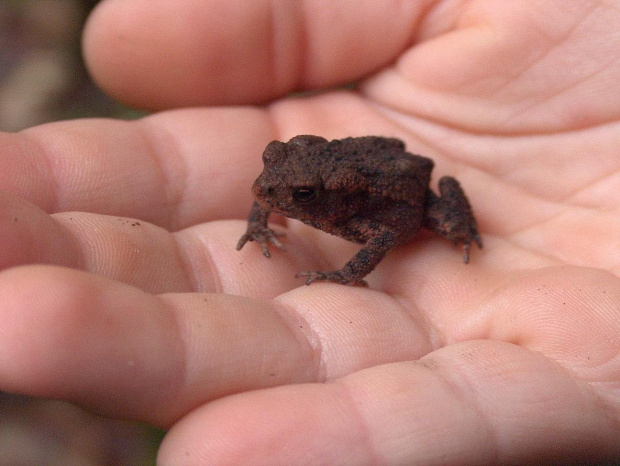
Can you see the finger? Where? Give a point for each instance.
(128, 250)
(119, 351)
(135, 252)
(175, 352)
(126, 353)
(171, 169)
(196, 52)
(471, 403)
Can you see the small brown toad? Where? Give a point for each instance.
(367, 190)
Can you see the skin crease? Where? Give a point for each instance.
(120, 236)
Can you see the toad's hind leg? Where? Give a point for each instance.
(450, 215)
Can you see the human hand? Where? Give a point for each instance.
(146, 311)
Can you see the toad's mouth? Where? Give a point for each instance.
(285, 210)
(269, 204)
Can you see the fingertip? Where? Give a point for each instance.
(115, 52)
(166, 54)
(274, 426)
(36, 315)
(72, 335)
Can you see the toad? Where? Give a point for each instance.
(368, 190)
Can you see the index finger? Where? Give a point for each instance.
(173, 169)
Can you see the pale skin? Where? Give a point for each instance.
(122, 290)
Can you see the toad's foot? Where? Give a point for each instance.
(258, 230)
(451, 216)
(335, 277)
(466, 246)
(262, 236)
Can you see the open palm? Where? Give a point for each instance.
(122, 289)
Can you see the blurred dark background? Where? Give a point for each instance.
(42, 76)
(42, 79)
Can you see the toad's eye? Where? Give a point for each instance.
(304, 194)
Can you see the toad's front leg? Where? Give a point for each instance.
(259, 231)
(361, 264)
(451, 216)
